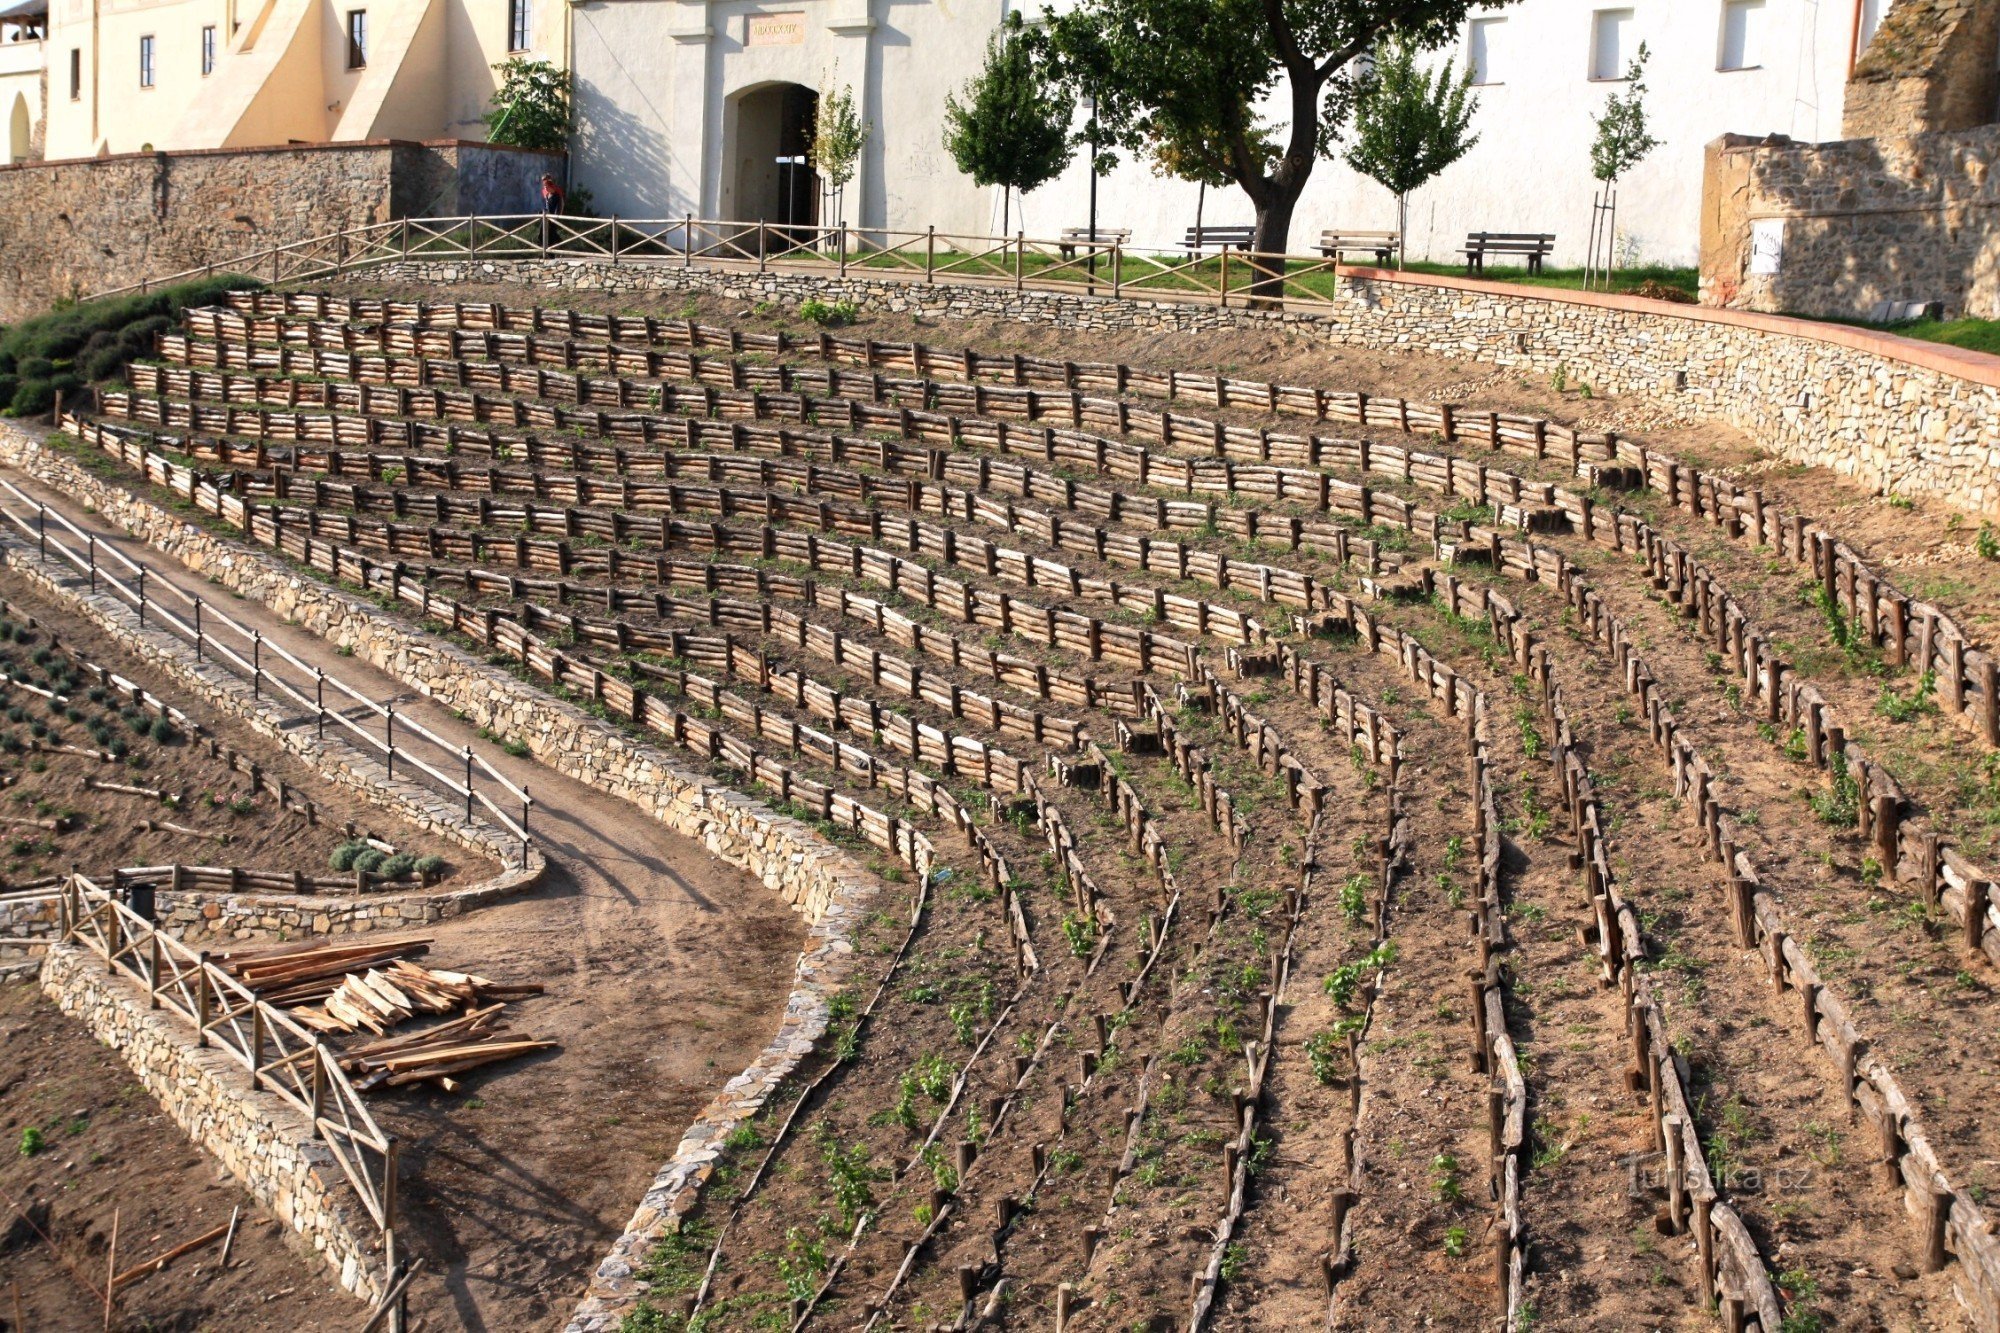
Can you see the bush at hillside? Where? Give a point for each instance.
(65, 350)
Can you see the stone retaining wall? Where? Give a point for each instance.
(1915, 418)
(818, 879)
(262, 1141)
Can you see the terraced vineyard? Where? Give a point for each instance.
(1344, 862)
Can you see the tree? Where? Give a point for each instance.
(1012, 129)
(531, 107)
(1622, 140)
(838, 136)
(1409, 126)
(1190, 75)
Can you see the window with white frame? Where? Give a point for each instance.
(1742, 35)
(1484, 43)
(517, 25)
(146, 62)
(208, 50)
(1613, 42)
(357, 38)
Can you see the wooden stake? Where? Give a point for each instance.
(230, 1239)
(111, 1270)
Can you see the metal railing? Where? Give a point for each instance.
(283, 1057)
(268, 664)
(1210, 275)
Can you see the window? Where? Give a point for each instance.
(1482, 46)
(1612, 43)
(357, 38)
(517, 25)
(208, 50)
(145, 62)
(75, 74)
(1871, 19)
(1742, 35)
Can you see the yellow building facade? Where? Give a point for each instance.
(138, 75)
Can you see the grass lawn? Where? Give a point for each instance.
(1976, 335)
(1680, 279)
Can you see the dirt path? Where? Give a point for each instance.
(667, 971)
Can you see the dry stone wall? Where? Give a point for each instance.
(86, 224)
(816, 878)
(1894, 414)
(1834, 229)
(1929, 67)
(262, 1142)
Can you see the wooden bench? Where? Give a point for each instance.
(1218, 238)
(1105, 236)
(1535, 246)
(1381, 244)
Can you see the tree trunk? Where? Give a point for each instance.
(1268, 242)
(1004, 193)
(1402, 231)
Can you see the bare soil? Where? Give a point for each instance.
(214, 797)
(108, 1146)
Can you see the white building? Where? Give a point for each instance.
(686, 105)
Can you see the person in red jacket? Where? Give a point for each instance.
(552, 195)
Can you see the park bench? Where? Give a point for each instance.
(1381, 244)
(1105, 236)
(1218, 238)
(1535, 246)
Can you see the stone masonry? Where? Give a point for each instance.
(1931, 67)
(73, 227)
(1843, 226)
(790, 858)
(1875, 408)
(262, 1141)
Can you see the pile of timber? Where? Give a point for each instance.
(436, 1054)
(380, 998)
(372, 986)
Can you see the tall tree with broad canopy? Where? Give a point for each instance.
(1190, 75)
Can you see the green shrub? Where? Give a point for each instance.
(344, 855)
(164, 731)
(398, 866)
(430, 865)
(64, 350)
(370, 859)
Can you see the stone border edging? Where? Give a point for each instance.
(819, 880)
(260, 1141)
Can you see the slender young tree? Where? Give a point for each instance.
(1623, 140)
(1409, 126)
(838, 136)
(1193, 74)
(1012, 128)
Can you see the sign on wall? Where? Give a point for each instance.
(775, 29)
(1767, 246)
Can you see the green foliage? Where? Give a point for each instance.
(1920, 701)
(1012, 129)
(1181, 80)
(828, 314)
(1445, 1179)
(1454, 1242)
(1987, 543)
(839, 134)
(1354, 898)
(87, 343)
(399, 866)
(1840, 804)
(1322, 1049)
(532, 106)
(1409, 125)
(849, 1176)
(32, 1141)
(163, 731)
(1081, 932)
(428, 866)
(344, 856)
(1622, 140)
(803, 1263)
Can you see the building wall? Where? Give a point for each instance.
(1832, 229)
(81, 226)
(281, 71)
(655, 80)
